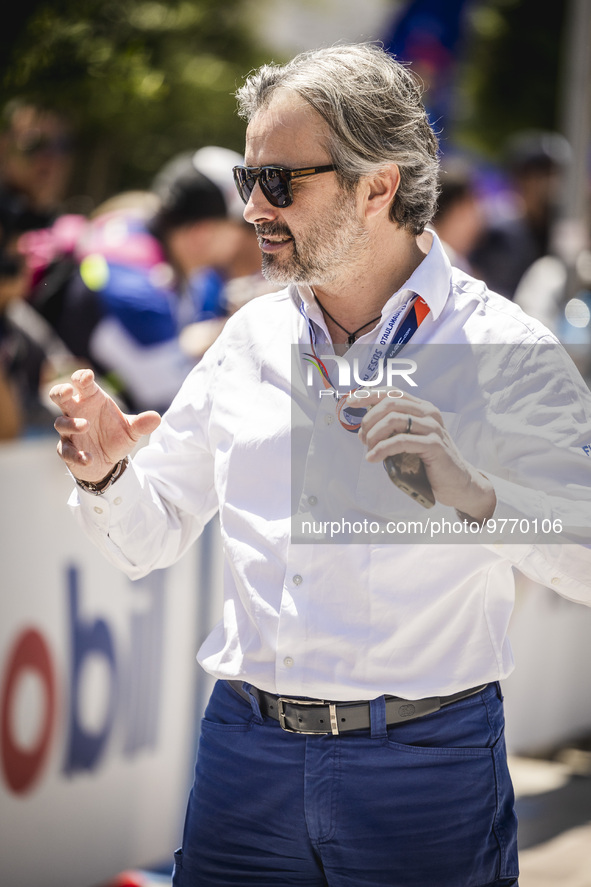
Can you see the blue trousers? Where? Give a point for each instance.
(426, 803)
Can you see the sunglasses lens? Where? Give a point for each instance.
(275, 187)
(274, 184)
(244, 182)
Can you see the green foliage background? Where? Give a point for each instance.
(511, 71)
(141, 79)
(145, 79)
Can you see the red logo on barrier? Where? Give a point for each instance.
(133, 688)
(21, 767)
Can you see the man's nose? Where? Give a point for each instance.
(258, 207)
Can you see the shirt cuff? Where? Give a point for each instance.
(110, 507)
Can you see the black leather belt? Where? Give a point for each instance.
(320, 716)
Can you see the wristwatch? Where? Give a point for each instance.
(98, 488)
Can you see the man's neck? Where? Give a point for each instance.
(357, 297)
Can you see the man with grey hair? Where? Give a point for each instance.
(355, 732)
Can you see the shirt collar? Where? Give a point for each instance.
(431, 280)
(303, 296)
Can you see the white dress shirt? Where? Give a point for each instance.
(352, 617)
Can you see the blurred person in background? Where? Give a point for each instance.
(514, 240)
(32, 357)
(560, 297)
(459, 217)
(105, 286)
(36, 153)
(140, 290)
(20, 361)
(213, 250)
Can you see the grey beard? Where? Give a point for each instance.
(293, 272)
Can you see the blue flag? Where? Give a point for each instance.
(428, 33)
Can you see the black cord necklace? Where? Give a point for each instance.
(351, 336)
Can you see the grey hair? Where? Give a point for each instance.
(373, 107)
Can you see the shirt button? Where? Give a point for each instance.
(555, 580)
(329, 419)
(297, 579)
(117, 501)
(98, 509)
(288, 662)
(312, 500)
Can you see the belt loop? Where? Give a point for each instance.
(254, 702)
(377, 718)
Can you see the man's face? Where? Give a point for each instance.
(316, 238)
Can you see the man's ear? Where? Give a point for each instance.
(381, 189)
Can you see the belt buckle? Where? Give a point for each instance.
(332, 712)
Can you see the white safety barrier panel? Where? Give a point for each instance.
(100, 692)
(547, 698)
(100, 689)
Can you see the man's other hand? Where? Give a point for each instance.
(94, 433)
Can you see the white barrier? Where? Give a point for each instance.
(547, 698)
(100, 691)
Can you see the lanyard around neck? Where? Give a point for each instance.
(411, 317)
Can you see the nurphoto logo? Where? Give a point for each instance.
(385, 372)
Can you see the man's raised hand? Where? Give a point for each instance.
(94, 433)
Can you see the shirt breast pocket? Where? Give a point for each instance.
(377, 495)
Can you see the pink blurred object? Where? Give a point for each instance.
(43, 246)
(120, 236)
(128, 879)
(122, 239)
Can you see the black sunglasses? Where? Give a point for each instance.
(275, 181)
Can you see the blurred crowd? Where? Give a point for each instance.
(140, 287)
(137, 289)
(502, 226)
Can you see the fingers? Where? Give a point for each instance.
(390, 413)
(66, 425)
(71, 454)
(144, 423)
(398, 422)
(403, 443)
(68, 395)
(395, 423)
(83, 379)
(62, 396)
